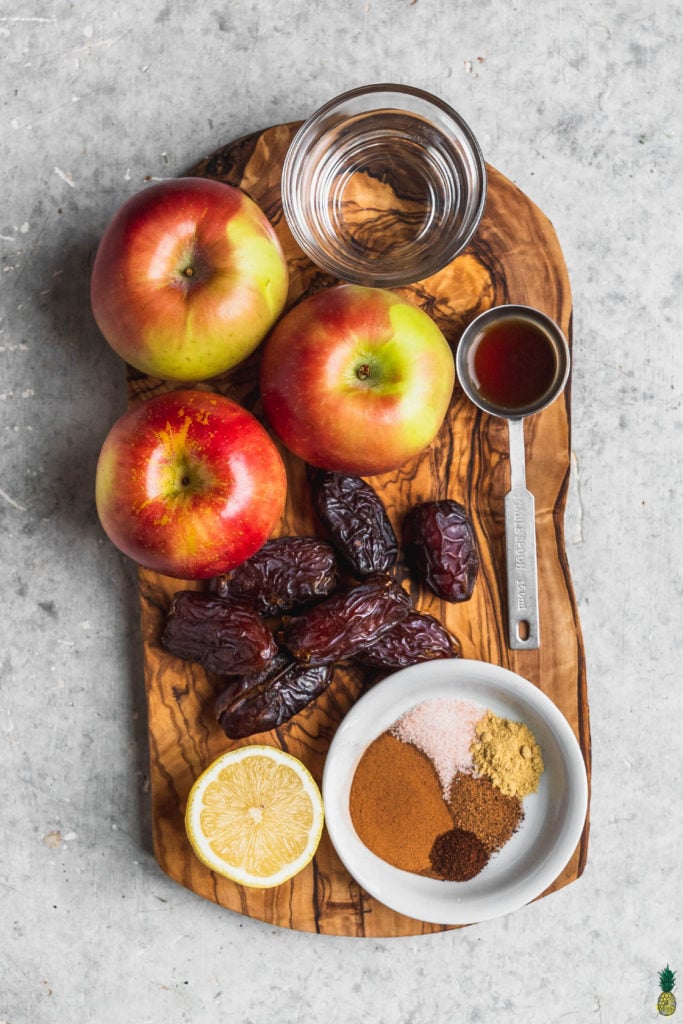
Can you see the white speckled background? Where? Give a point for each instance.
(579, 104)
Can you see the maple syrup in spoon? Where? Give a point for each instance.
(513, 364)
(513, 361)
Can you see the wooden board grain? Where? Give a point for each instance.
(515, 257)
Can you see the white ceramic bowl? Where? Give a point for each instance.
(554, 816)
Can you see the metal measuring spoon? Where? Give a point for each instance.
(520, 515)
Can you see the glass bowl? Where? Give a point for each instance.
(384, 185)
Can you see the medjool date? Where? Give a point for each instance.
(223, 636)
(270, 698)
(356, 519)
(345, 623)
(441, 548)
(418, 637)
(285, 573)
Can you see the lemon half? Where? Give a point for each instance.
(255, 816)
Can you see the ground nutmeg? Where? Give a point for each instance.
(478, 806)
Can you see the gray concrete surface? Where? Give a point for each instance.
(579, 104)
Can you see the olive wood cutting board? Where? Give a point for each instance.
(514, 257)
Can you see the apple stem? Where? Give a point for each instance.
(184, 481)
(188, 271)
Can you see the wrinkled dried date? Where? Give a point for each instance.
(223, 636)
(271, 697)
(440, 546)
(283, 574)
(345, 623)
(373, 621)
(418, 637)
(356, 519)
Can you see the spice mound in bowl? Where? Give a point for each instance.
(455, 791)
(442, 790)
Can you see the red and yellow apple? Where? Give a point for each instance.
(189, 484)
(356, 379)
(188, 279)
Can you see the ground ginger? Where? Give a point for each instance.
(508, 754)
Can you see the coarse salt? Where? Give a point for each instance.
(443, 729)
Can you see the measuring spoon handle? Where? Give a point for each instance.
(520, 549)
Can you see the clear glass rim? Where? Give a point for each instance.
(445, 119)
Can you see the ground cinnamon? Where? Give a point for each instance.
(396, 804)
